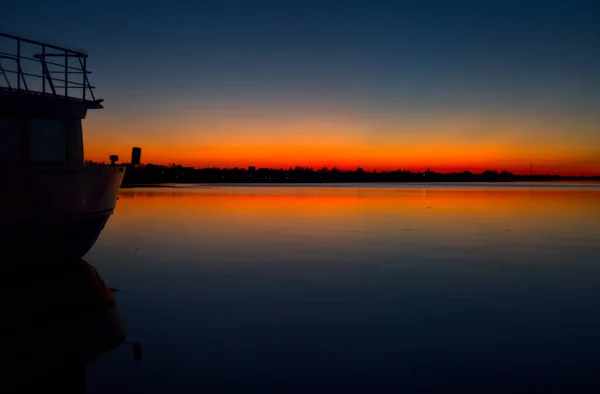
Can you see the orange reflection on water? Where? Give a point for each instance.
(431, 206)
(240, 224)
(323, 199)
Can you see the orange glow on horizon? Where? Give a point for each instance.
(438, 158)
(348, 142)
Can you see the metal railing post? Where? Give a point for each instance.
(66, 72)
(18, 64)
(42, 64)
(84, 75)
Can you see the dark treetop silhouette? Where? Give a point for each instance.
(156, 174)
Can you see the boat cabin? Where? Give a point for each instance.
(44, 95)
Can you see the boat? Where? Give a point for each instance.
(52, 205)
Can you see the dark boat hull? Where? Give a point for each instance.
(55, 213)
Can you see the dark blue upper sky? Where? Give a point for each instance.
(374, 51)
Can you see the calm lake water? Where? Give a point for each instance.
(368, 288)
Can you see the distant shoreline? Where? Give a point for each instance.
(581, 182)
(150, 175)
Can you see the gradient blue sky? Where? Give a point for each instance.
(216, 76)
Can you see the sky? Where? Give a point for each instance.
(451, 85)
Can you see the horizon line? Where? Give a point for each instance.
(344, 169)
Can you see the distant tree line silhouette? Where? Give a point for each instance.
(156, 174)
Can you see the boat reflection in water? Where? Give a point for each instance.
(54, 321)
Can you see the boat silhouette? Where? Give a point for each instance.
(52, 206)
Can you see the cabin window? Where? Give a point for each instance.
(47, 141)
(9, 139)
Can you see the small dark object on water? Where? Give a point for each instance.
(137, 351)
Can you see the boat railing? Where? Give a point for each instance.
(44, 69)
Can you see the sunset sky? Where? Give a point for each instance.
(452, 85)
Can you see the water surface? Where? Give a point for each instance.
(355, 288)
